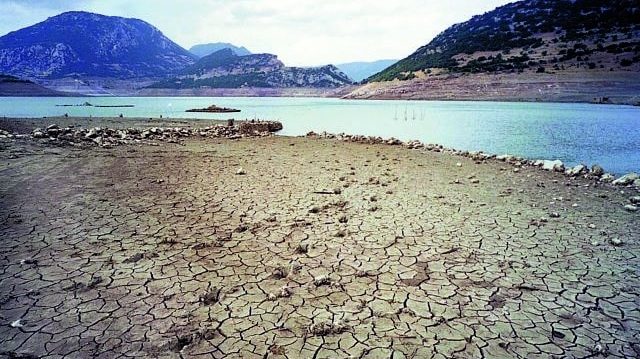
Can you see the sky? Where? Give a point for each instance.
(300, 32)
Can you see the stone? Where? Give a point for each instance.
(327, 328)
(505, 158)
(303, 247)
(617, 242)
(17, 324)
(38, 133)
(607, 178)
(321, 280)
(626, 179)
(548, 165)
(241, 172)
(577, 170)
(597, 170)
(634, 199)
(631, 208)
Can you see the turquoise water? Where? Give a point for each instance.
(574, 133)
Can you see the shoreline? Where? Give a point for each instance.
(301, 246)
(345, 98)
(128, 122)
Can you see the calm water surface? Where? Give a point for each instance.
(574, 133)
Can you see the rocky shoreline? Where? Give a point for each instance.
(109, 137)
(596, 172)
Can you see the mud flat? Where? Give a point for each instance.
(308, 247)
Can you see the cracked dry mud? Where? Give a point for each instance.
(143, 251)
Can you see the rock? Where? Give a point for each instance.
(241, 172)
(635, 199)
(577, 170)
(280, 272)
(607, 178)
(211, 297)
(28, 261)
(505, 158)
(327, 328)
(626, 179)
(636, 183)
(92, 133)
(547, 165)
(38, 133)
(617, 242)
(631, 208)
(597, 170)
(17, 324)
(53, 127)
(321, 280)
(458, 164)
(303, 247)
(554, 215)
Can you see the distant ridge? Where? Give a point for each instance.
(359, 71)
(225, 69)
(84, 44)
(203, 50)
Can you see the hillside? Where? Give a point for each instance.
(225, 69)
(203, 50)
(13, 86)
(552, 36)
(361, 70)
(90, 45)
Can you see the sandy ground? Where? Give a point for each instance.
(164, 251)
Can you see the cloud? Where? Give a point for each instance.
(300, 32)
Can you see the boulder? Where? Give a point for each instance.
(607, 178)
(547, 165)
(597, 170)
(626, 179)
(38, 133)
(631, 208)
(577, 170)
(505, 158)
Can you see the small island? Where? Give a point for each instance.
(214, 109)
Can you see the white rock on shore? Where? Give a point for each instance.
(626, 179)
(577, 170)
(607, 178)
(549, 165)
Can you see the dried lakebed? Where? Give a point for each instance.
(308, 247)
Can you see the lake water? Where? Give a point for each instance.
(574, 133)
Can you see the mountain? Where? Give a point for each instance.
(13, 86)
(532, 36)
(225, 69)
(359, 71)
(91, 45)
(203, 50)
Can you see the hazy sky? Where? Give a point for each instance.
(300, 32)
